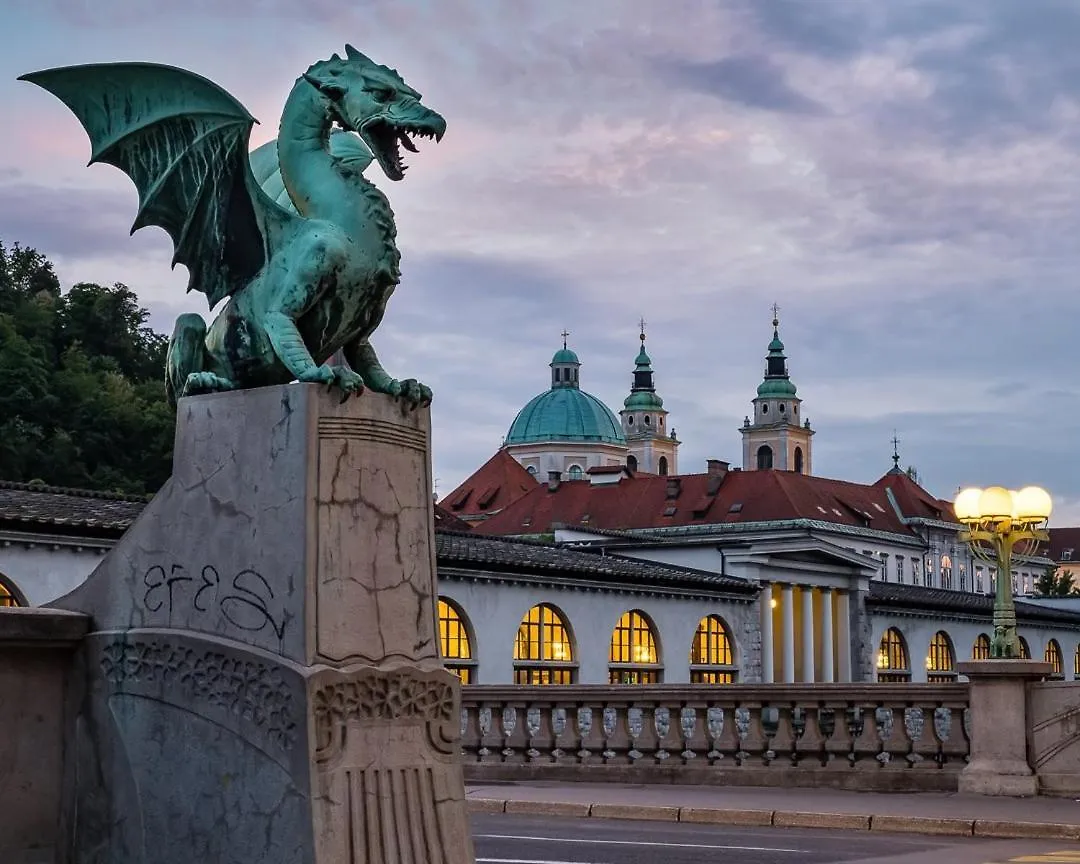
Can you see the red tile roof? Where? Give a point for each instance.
(493, 485)
(1062, 540)
(913, 500)
(650, 501)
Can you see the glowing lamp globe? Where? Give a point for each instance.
(966, 505)
(996, 503)
(1033, 504)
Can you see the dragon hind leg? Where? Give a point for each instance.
(185, 364)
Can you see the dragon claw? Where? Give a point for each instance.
(412, 392)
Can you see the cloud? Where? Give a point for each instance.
(901, 178)
(754, 81)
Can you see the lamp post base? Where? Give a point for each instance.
(999, 763)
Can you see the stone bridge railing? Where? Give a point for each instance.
(884, 737)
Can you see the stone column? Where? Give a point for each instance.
(768, 674)
(999, 727)
(264, 657)
(787, 633)
(843, 636)
(807, 592)
(828, 674)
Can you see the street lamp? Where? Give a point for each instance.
(1001, 523)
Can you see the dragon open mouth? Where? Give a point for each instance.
(385, 140)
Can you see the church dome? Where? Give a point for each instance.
(776, 388)
(565, 414)
(565, 355)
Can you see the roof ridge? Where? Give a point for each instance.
(72, 491)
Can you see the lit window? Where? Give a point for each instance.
(1025, 649)
(633, 657)
(1054, 658)
(575, 472)
(892, 660)
(946, 572)
(454, 644)
(940, 662)
(981, 649)
(543, 650)
(7, 596)
(1076, 662)
(711, 658)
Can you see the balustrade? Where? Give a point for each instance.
(880, 736)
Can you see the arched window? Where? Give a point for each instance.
(981, 649)
(532, 470)
(892, 661)
(544, 650)
(940, 662)
(764, 457)
(634, 658)
(455, 646)
(798, 460)
(711, 659)
(1054, 658)
(575, 472)
(1025, 649)
(631, 462)
(661, 466)
(9, 594)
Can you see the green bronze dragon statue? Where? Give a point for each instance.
(305, 252)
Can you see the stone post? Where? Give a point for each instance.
(999, 728)
(262, 678)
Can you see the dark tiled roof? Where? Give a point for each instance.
(913, 500)
(495, 484)
(646, 501)
(66, 509)
(534, 558)
(894, 596)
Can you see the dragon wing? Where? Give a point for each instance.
(346, 147)
(183, 141)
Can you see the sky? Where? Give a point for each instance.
(901, 178)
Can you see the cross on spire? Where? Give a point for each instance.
(775, 314)
(564, 334)
(895, 450)
(641, 324)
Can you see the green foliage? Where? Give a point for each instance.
(82, 389)
(1053, 583)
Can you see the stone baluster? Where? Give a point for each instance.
(560, 740)
(508, 723)
(662, 727)
(584, 721)
(688, 726)
(811, 741)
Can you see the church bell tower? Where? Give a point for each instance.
(778, 436)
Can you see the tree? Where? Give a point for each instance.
(82, 392)
(1054, 583)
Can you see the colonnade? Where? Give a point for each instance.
(819, 621)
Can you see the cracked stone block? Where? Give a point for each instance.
(262, 680)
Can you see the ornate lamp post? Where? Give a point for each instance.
(1001, 523)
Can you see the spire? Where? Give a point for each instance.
(776, 381)
(895, 455)
(643, 389)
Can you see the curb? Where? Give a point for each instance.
(928, 825)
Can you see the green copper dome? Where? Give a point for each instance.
(565, 414)
(773, 388)
(643, 400)
(565, 355)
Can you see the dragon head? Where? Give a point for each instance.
(376, 103)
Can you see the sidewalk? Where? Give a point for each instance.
(919, 813)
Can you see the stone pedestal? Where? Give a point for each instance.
(999, 728)
(262, 681)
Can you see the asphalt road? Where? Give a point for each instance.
(530, 840)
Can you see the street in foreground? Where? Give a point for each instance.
(530, 840)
